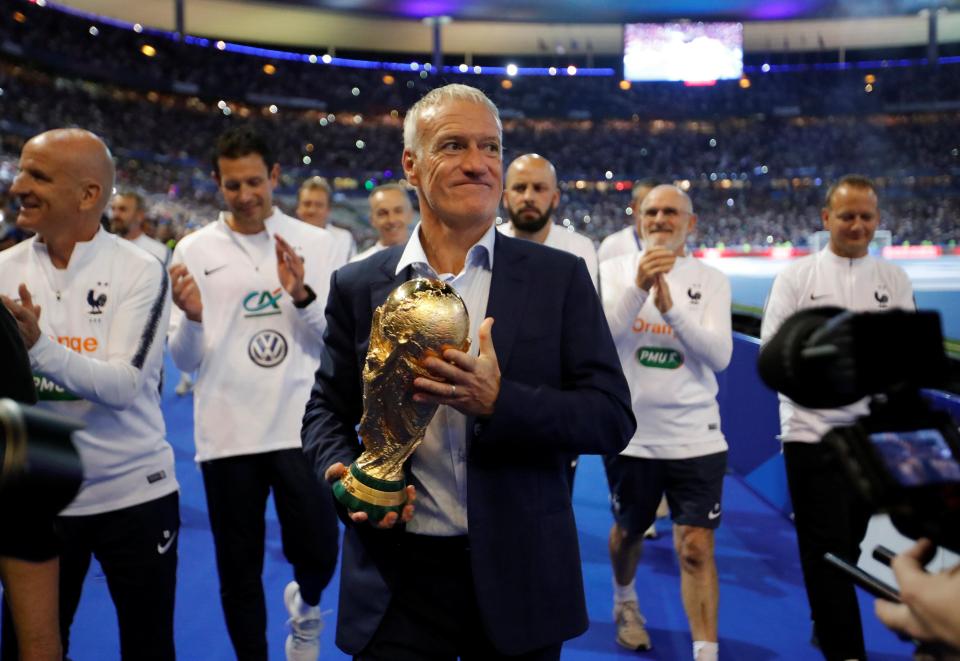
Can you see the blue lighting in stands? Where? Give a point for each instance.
(536, 71)
(270, 53)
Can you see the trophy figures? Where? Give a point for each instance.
(420, 318)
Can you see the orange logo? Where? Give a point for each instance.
(641, 326)
(78, 344)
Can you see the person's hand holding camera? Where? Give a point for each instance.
(929, 610)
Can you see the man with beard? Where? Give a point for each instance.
(530, 197)
(127, 216)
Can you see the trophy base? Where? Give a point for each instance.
(360, 492)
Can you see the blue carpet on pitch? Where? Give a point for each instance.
(763, 609)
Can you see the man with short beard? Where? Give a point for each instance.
(127, 216)
(530, 198)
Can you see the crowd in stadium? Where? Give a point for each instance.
(168, 198)
(756, 158)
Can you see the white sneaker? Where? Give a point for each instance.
(303, 643)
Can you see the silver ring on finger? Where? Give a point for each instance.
(453, 390)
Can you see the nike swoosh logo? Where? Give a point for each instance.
(817, 298)
(214, 270)
(713, 515)
(163, 548)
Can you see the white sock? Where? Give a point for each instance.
(705, 651)
(624, 593)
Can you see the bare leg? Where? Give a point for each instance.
(624, 556)
(698, 579)
(33, 595)
(625, 551)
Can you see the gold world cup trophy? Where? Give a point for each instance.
(420, 318)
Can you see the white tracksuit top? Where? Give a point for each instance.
(572, 242)
(98, 359)
(256, 353)
(824, 279)
(671, 360)
(622, 242)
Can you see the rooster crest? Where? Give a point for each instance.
(96, 303)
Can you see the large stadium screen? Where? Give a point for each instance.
(691, 52)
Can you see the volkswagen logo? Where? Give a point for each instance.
(267, 348)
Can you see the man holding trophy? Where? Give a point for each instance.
(474, 421)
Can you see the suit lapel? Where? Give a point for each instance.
(508, 295)
(387, 280)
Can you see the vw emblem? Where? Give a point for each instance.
(267, 348)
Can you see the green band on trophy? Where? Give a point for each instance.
(375, 483)
(351, 502)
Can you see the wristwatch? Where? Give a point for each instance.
(311, 297)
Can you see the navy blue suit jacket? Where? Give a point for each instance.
(562, 393)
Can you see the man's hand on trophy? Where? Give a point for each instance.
(338, 470)
(470, 384)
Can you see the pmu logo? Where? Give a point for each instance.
(262, 303)
(267, 348)
(694, 294)
(665, 359)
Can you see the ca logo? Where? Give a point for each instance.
(267, 348)
(262, 303)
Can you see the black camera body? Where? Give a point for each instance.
(903, 460)
(40, 469)
(903, 456)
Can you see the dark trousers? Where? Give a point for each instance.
(137, 549)
(829, 517)
(237, 490)
(433, 613)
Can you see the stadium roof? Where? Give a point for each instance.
(623, 11)
(518, 27)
